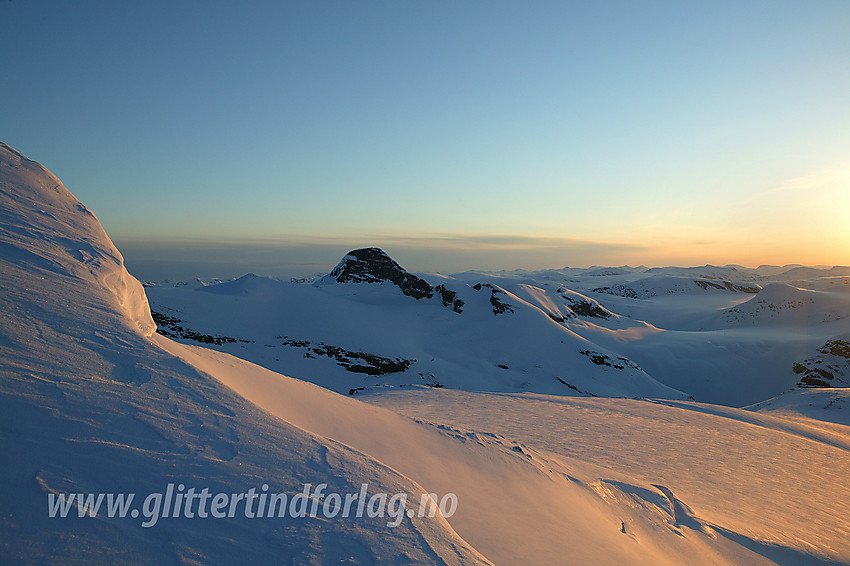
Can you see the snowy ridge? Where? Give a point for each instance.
(729, 272)
(249, 284)
(826, 405)
(802, 273)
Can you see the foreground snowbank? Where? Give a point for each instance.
(89, 405)
(46, 230)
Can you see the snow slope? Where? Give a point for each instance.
(89, 404)
(553, 480)
(727, 479)
(781, 304)
(508, 505)
(670, 285)
(353, 333)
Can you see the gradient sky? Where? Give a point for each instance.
(454, 134)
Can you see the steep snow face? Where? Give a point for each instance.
(46, 230)
(88, 404)
(372, 265)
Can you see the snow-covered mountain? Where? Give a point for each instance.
(670, 285)
(625, 332)
(781, 304)
(369, 322)
(93, 401)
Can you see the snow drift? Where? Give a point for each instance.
(90, 405)
(46, 230)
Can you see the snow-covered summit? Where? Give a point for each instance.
(245, 285)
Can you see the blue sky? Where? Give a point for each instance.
(456, 135)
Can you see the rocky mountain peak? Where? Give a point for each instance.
(373, 265)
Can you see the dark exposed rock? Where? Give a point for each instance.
(729, 286)
(601, 359)
(498, 306)
(574, 388)
(372, 265)
(830, 367)
(811, 380)
(840, 348)
(449, 298)
(355, 362)
(295, 343)
(172, 327)
(619, 290)
(587, 309)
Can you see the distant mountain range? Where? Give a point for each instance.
(627, 332)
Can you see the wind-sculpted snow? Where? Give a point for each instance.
(88, 404)
(553, 480)
(46, 230)
(729, 485)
